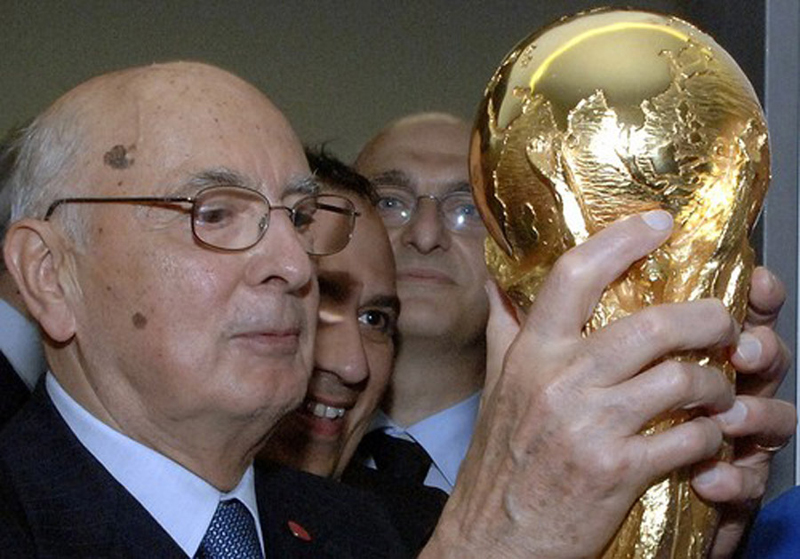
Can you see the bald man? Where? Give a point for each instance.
(162, 234)
(419, 167)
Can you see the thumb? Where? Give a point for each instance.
(501, 330)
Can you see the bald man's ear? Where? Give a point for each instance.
(37, 258)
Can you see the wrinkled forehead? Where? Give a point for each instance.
(148, 134)
(425, 158)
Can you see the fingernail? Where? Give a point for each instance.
(708, 477)
(749, 347)
(658, 220)
(735, 415)
(771, 281)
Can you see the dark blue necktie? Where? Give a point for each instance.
(231, 535)
(397, 458)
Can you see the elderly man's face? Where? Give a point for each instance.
(353, 354)
(169, 330)
(440, 274)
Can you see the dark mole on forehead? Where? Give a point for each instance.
(117, 157)
(139, 320)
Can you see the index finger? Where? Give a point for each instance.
(501, 329)
(573, 287)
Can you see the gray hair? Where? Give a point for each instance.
(40, 160)
(8, 156)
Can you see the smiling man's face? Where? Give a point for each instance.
(353, 353)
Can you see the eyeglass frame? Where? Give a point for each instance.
(439, 201)
(291, 210)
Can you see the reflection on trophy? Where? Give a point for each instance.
(606, 114)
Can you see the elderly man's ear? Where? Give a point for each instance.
(39, 259)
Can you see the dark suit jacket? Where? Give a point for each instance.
(414, 508)
(13, 392)
(56, 500)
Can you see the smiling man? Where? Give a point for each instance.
(355, 345)
(355, 341)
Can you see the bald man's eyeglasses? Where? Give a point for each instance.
(234, 218)
(397, 205)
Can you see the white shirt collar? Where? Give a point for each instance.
(445, 436)
(164, 488)
(21, 344)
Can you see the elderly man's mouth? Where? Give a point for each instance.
(271, 343)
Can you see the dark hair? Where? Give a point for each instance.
(334, 173)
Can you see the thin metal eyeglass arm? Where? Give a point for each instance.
(117, 200)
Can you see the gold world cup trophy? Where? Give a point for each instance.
(606, 114)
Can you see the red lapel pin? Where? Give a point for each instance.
(298, 531)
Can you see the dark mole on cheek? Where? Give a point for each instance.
(117, 157)
(139, 320)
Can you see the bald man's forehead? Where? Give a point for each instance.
(417, 140)
(158, 125)
(418, 152)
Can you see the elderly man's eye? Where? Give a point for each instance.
(467, 210)
(214, 215)
(465, 216)
(390, 203)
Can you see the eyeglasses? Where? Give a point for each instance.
(397, 205)
(235, 218)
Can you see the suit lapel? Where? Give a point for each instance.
(339, 522)
(414, 508)
(13, 392)
(73, 506)
(277, 507)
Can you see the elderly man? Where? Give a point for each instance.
(163, 221)
(419, 167)
(161, 235)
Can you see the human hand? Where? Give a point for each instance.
(557, 460)
(758, 423)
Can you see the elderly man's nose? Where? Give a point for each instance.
(280, 255)
(426, 230)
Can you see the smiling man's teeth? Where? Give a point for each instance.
(321, 410)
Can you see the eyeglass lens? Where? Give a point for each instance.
(235, 218)
(397, 206)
